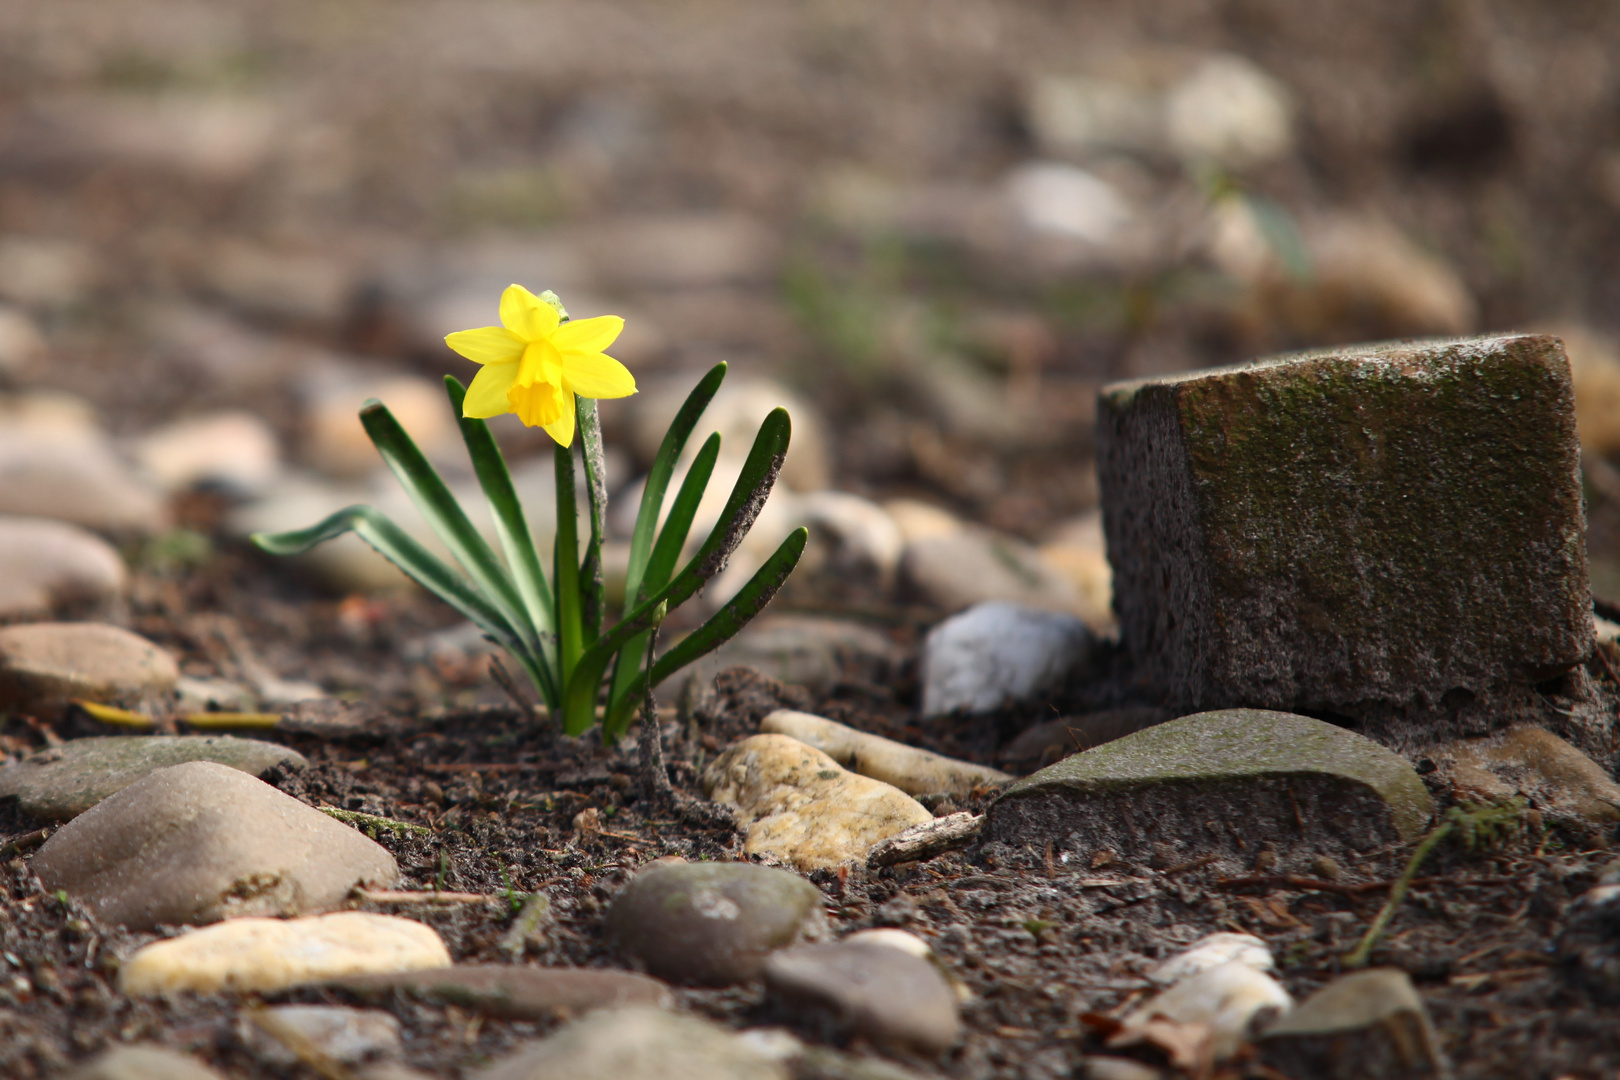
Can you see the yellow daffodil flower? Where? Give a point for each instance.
(534, 364)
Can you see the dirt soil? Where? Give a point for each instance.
(1040, 939)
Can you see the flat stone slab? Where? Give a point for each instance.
(518, 993)
(65, 781)
(1224, 784)
(1385, 531)
(199, 842)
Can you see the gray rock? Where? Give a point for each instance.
(53, 568)
(848, 989)
(199, 842)
(43, 666)
(997, 652)
(519, 993)
(1368, 1025)
(806, 650)
(636, 1044)
(75, 479)
(1392, 532)
(1070, 734)
(65, 781)
(340, 1034)
(953, 572)
(712, 924)
(142, 1063)
(1225, 784)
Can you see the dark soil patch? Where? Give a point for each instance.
(1040, 936)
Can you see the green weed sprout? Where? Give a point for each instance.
(549, 371)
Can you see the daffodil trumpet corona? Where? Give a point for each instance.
(549, 371)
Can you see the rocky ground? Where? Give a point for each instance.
(933, 233)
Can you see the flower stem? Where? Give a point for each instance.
(566, 571)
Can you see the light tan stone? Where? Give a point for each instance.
(913, 771)
(800, 805)
(261, 955)
(45, 665)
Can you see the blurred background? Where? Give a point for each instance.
(931, 228)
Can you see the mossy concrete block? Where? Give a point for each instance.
(1226, 784)
(1388, 531)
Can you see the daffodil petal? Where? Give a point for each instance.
(563, 428)
(526, 315)
(487, 345)
(588, 335)
(597, 375)
(486, 396)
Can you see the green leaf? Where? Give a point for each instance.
(401, 549)
(579, 702)
(511, 524)
(721, 627)
(665, 554)
(433, 498)
(753, 486)
(658, 477)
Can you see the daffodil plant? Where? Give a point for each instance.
(548, 371)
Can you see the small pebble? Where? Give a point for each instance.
(1368, 1025)
(43, 666)
(1232, 999)
(1211, 951)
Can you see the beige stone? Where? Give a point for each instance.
(918, 520)
(50, 567)
(1531, 761)
(43, 666)
(800, 805)
(141, 1062)
(913, 771)
(1594, 368)
(255, 955)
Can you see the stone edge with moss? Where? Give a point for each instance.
(1230, 746)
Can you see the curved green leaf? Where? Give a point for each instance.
(433, 498)
(511, 524)
(658, 477)
(593, 598)
(665, 554)
(721, 627)
(401, 549)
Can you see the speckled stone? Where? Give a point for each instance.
(712, 924)
(1388, 532)
(1223, 783)
(65, 781)
(867, 989)
(801, 806)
